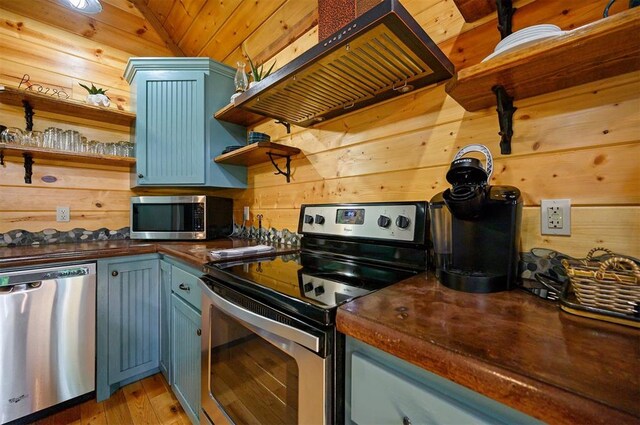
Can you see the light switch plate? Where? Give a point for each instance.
(555, 217)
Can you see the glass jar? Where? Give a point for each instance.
(12, 135)
(240, 80)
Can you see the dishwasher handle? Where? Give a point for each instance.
(22, 277)
(19, 288)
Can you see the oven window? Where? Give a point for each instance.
(252, 380)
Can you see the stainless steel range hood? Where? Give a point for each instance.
(381, 54)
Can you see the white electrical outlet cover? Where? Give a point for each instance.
(555, 217)
(63, 214)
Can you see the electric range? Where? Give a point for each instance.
(274, 316)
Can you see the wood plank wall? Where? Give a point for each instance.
(581, 143)
(59, 48)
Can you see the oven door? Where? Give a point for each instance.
(257, 369)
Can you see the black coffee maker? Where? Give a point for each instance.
(475, 227)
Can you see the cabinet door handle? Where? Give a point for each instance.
(406, 421)
(114, 273)
(184, 287)
(140, 176)
(199, 332)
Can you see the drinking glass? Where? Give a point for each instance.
(110, 149)
(123, 148)
(12, 135)
(34, 138)
(98, 147)
(84, 145)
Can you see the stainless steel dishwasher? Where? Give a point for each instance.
(47, 337)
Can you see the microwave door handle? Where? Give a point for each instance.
(285, 331)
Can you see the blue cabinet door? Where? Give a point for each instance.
(128, 331)
(186, 356)
(177, 137)
(170, 129)
(165, 320)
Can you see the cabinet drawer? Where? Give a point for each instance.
(380, 395)
(185, 285)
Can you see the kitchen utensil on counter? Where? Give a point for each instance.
(476, 227)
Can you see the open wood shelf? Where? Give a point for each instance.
(73, 157)
(256, 153)
(603, 49)
(14, 96)
(238, 116)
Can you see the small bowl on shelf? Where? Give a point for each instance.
(255, 137)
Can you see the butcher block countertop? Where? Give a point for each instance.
(510, 346)
(194, 253)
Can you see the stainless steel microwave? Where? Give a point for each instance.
(181, 217)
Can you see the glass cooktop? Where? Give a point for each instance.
(309, 286)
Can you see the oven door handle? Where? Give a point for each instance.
(285, 331)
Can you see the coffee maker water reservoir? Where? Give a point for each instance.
(475, 227)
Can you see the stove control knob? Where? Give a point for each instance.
(384, 221)
(319, 219)
(308, 219)
(319, 290)
(402, 222)
(308, 287)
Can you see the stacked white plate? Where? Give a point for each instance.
(524, 37)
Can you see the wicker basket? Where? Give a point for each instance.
(610, 285)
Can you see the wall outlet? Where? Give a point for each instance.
(63, 214)
(555, 217)
(245, 214)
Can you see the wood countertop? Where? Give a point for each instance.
(510, 346)
(194, 253)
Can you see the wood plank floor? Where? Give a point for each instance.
(149, 401)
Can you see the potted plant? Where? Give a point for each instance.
(96, 96)
(257, 71)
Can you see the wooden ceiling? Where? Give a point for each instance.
(227, 30)
(224, 30)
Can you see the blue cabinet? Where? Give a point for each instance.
(185, 339)
(128, 331)
(186, 356)
(177, 137)
(383, 389)
(165, 319)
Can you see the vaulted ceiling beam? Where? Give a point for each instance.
(157, 26)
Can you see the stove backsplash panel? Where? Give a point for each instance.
(272, 235)
(20, 237)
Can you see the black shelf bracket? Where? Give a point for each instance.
(287, 174)
(28, 167)
(505, 17)
(505, 111)
(286, 125)
(28, 115)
